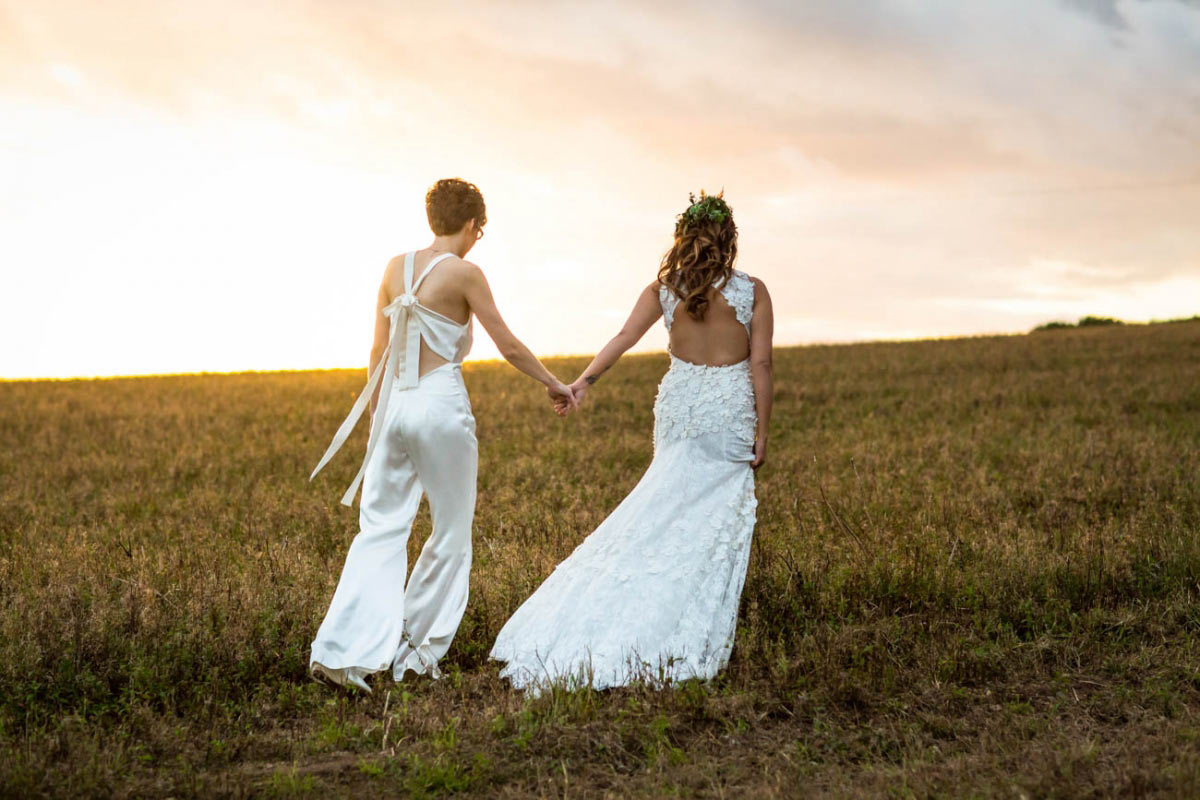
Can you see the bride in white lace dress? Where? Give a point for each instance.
(652, 594)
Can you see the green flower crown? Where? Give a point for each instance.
(710, 207)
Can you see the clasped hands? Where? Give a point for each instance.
(566, 398)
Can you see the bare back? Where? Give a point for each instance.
(443, 291)
(722, 336)
(717, 340)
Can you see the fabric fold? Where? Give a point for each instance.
(409, 318)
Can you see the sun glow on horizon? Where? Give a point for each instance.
(216, 188)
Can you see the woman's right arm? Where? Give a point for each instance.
(762, 330)
(483, 305)
(380, 340)
(646, 310)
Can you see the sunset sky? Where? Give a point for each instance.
(213, 186)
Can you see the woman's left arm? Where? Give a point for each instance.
(645, 312)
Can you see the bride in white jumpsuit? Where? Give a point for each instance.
(422, 440)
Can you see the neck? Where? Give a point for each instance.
(449, 244)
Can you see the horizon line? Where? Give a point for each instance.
(646, 353)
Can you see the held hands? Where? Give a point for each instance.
(579, 388)
(563, 398)
(567, 398)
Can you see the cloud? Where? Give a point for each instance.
(895, 166)
(1106, 12)
(879, 90)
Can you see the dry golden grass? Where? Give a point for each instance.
(975, 573)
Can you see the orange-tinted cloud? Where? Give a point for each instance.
(894, 167)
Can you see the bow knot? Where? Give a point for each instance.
(399, 362)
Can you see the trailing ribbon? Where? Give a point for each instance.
(402, 313)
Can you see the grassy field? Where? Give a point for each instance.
(976, 572)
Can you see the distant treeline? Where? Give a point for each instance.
(1090, 321)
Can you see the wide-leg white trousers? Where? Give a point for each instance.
(375, 620)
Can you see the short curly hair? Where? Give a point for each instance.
(450, 202)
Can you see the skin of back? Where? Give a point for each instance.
(715, 341)
(456, 289)
(718, 339)
(442, 291)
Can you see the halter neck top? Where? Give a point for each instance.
(411, 323)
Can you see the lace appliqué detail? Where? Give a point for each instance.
(652, 594)
(738, 292)
(694, 400)
(668, 301)
(661, 579)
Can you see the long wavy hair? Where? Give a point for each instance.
(703, 253)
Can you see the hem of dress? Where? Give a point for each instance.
(349, 676)
(528, 680)
(339, 669)
(321, 664)
(420, 660)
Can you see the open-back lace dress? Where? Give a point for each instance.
(652, 594)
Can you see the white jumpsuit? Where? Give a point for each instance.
(422, 440)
